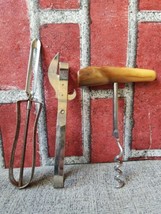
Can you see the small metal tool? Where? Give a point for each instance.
(118, 158)
(32, 67)
(58, 77)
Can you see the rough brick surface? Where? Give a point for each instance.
(150, 5)
(14, 44)
(14, 52)
(147, 102)
(103, 144)
(109, 32)
(62, 38)
(108, 47)
(65, 4)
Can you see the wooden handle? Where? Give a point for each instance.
(93, 76)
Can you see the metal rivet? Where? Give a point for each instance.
(62, 112)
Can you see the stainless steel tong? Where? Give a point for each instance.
(32, 68)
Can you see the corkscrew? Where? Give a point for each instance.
(96, 75)
(118, 158)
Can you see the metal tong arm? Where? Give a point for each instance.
(32, 68)
(20, 182)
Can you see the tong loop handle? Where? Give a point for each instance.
(20, 183)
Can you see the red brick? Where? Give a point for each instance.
(8, 128)
(108, 47)
(109, 32)
(62, 38)
(14, 44)
(149, 5)
(109, 21)
(57, 4)
(103, 145)
(147, 102)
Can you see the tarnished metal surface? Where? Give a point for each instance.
(58, 76)
(32, 65)
(37, 18)
(61, 127)
(21, 183)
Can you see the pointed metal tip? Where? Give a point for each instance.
(53, 67)
(56, 57)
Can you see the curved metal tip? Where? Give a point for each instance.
(57, 56)
(72, 96)
(53, 72)
(53, 67)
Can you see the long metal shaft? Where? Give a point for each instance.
(29, 103)
(61, 126)
(118, 158)
(115, 110)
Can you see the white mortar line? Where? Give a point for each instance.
(85, 61)
(135, 17)
(130, 62)
(106, 94)
(39, 17)
(67, 160)
(33, 10)
(81, 16)
(76, 159)
(12, 96)
(48, 16)
(145, 153)
(149, 16)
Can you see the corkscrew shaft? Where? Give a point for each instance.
(118, 158)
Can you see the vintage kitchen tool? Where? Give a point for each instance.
(58, 74)
(32, 67)
(93, 76)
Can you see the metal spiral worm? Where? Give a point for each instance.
(118, 160)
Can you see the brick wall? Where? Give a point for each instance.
(84, 32)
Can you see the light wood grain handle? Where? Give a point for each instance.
(93, 76)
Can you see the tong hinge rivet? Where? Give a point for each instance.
(62, 111)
